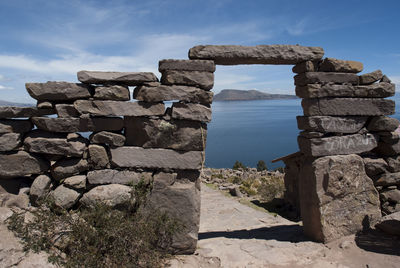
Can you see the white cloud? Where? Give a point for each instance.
(5, 88)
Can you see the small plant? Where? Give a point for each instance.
(261, 166)
(280, 169)
(235, 180)
(238, 165)
(270, 188)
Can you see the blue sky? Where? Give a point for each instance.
(51, 40)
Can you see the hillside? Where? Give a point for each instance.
(8, 103)
(237, 95)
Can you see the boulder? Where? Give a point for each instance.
(375, 166)
(16, 126)
(386, 149)
(383, 123)
(388, 179)
(66, 110)
(390, 224)
(78, 124)
(137, 157)
(58, 91)
(98, 157)
(119, 108)
(171, 134)
(327, 124)
(392, 196)
(43, 142)
(305, 66)
(115, 93)
(39, 188)
(348, 106)
(393, 164)
(76, 182)
(191, 111)
(340, 66)
(109, 138)
(261, 54)
(120, 78)
(20, 112)
(170, 191)
(369, 78)
(186, 65)
(169, 93)
(9, 141)
(64, 197)
(324, 78)
(110, 176)
(337, 198)
(68, 167)
(113, 195)
(204, 80)
(21, 163)
(378, 90)
(337, 145)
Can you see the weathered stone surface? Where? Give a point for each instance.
(9, 141)
(44, 105)
(291, 179)
(186, 65)
(324, 78)
(347, 106)
(369, 78)
(393, 163)
(78, 124)
(378, 90)
(167, 93)
(16, 126)
(110, 176)
(155, 158)
(115, 92)
(21, 163)
(21, 112)
(69, 167)
(337, 145)
(348, 124)
(170, 191)
(204, 80)
(43, 142)
(121, 78)
(389, 137)
(375, 166)
(383, 123)
(386, 149)
(340, 66)
(66, 110)
(388, 179)
(191, 111)
(390, 224)
(76, 182)
(58, 91)
(98, 157)
(385, 79)
(337, 198)
(109, 138)
(392, 196)
(311, 134)
(39, 188)
(171, 134)
(119, 108)
(65, 197)
(305, 66)
(114, 195)
(262, 54)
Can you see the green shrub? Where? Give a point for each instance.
(235, 180)
(270, 188)
(238, 165)
(261, 165)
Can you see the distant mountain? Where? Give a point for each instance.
(238, 95)
(8, 103)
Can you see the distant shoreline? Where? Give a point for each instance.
(249, 95)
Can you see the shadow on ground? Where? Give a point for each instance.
(288, 233)
(280, 207)
(378, 242)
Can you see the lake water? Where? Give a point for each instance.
(249, 131)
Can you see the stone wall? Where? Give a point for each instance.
(125, 142)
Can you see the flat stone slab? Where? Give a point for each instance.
(204, 80)
(186, 65)
(338, 145)
(324, 78)
(121, 78)
(115, 92)
(58, 91)
(21, 163)
(261, 54)
(9, 141)
(334, 124)
(22, 112)
(378, 90)
(66, 110)
(16, 126)
(137, 157)
(388, 179)
(68, 125)
(191, 111)
(340, 66)
(109, 138)
(348, 106)
(126, 177)
(68, 167)
(119, 108)
(372, 77)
